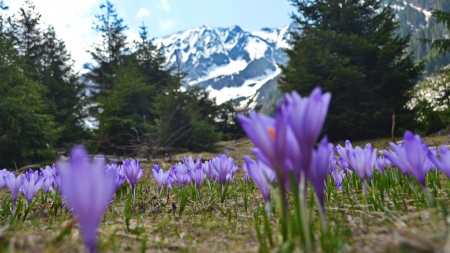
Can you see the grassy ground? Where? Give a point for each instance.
(391, 218)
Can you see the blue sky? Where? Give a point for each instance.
(73, 19)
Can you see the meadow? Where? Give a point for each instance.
(298, 195)
(392, 218)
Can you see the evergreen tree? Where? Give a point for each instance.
(25, 132)
(107, 55)
(351, 49)
(46, 61)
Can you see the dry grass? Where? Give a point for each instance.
(207, 225)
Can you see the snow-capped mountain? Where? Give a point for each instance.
(229, 62)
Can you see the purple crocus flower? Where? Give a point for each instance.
(13, 183)
(362, 160)
(133, 172)
(116, 171)
(260, 175)
(338, 176)
(429, 165)
(411, 157)
(160, 177)
(443, 162)
(319, 167)
(343, 164)
(48, 179)
(380, 163)
(197, 175)
(306, 117)
(31, 184)
(332, 164)
(190, 164)
(156, 167)
(180, 174)
(342, 152)
(246, 175)
(87, 190)
(2, 179)
(220, 167)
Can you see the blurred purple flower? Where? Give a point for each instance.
(380, 163)
(362, 160)
(3, 172)
(160, 177)
(411, 157)
(87, 189)
(319, 169)
(116, 171)
(338, 176)
(343, 164)
(260, 175)
(133, 172)
(31, 184)
(156, 167)
(443, 162)
(48, 177)
(13, 183)
(221, 167)
(342, 152)
(246, 175)
(180, 174)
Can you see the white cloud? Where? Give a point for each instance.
(142, 12)
(72, 21)
(167, 24)
(164, 5)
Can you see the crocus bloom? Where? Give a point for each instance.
(306, 117)
(13, 183)
(343, 164)
(48, 179)
(197, 175)
(160, 177)
(443, 162)
(343, 154)
(319, 167)
(221, 166)
(380, 163)
(246, 175)
(117, 172)
(260, 176)
(133, 172)
(338, 176)
(87, 190)
(2, 179)
(180, 174)
(31, 184)
(156, 167)
(410, 157)
(362, 160)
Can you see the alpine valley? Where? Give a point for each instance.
(235, 64)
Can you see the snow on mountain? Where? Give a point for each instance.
(229, 62)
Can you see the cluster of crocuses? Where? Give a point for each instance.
(412, 157)
(28, 183)
(47, 179)
(220, 169)
(86, 186)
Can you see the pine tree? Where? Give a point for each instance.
(351, 49)
(25, 131)
(107, 55)
(46, 61)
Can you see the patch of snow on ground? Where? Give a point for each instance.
(227, 93)
(215, 71)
